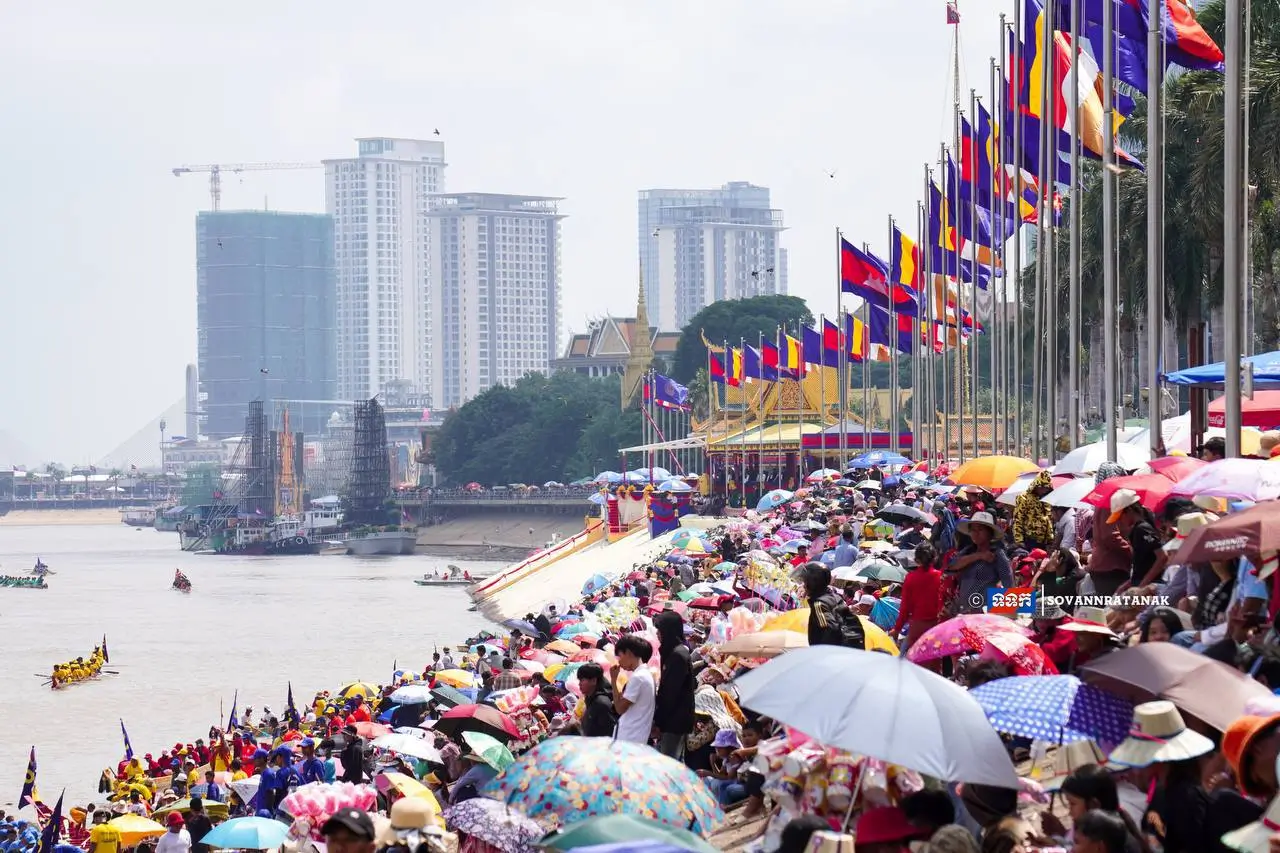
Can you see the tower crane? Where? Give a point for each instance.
(215, 171)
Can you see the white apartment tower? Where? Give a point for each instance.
(701, 246)
(495, 295)
(380, 202)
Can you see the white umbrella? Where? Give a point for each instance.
(850, 573)
(409, 745)
(1087, 458)
(869, 484)
(821, 474)
(882, 707)
(1018, 487)
(412, 694)
(1071, 494)
(1240, 479)
(246, 789)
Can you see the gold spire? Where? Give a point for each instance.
(641, 352)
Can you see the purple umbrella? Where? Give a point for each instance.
(1054, 708)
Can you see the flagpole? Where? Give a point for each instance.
(1074, 235)
(1109, 295)
(929, 409)
(1018, 351)
(960, 397)
(1234, 164)
(760, 444)
(1155, 223)
(893, 354)
(842, 369)
(996, 330)
(974, 360)
(942, 308)
(822, 390)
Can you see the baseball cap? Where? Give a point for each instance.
(355, 821)
(1121, 500)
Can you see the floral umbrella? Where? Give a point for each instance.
(1023, 655)
(579, 777)
(959, 636)
(494, 823)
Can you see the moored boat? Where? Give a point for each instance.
(442, 582)
(381, 542)
(25, 582)
(138, 516)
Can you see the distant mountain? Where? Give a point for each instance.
(15, 452)
(143, 447)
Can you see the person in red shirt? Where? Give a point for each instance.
(360, 713)
(1059, 646)
(921, 602)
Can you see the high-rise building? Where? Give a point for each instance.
(266, 316)
(701, 246)
(495, 296)
(380, 201)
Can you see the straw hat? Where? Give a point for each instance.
(825, 841)
(1069, 758)
(983, 518)
(1047, 609)
(1256, 836)
(1159, 736)
(1186, 524)
(1091, 614)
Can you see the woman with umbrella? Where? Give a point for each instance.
(980, 565)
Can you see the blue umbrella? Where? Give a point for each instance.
(247, 833)
(674, 486)
(522, 626)
(876, 458)
(1054, 708)
(595, 583)
(412, 694)
(608, 477)
(596, 498)
(773, 499)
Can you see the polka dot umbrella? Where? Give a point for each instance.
(1054, 708)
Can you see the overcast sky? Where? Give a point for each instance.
(591, 101)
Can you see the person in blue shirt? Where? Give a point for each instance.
(469, 783)
(264, 798)
(310, 768)
(212, 791)
(846, 551)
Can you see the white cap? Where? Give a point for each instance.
(1121, 500)
(867, 599)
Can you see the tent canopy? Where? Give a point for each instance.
(1265, 367)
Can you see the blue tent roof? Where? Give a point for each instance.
(1266, 372)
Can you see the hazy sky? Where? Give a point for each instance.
(587, 100)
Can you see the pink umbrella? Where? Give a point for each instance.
(960, 635)
(1023, 656)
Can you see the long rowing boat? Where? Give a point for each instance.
(28, 582)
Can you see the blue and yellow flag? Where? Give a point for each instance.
(29, 794)
(128, 748)
(233, 722)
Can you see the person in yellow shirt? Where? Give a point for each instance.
(104, 838)
(237, 771)
(193, 776)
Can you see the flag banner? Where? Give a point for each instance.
(128, 747)
(29, 793)
(816, 351)
(1186, 42)
(52, 829)
(831, 341)
(106, 656)
(669, 393)
(905, 261)
(715, 364)
(770, 356)
(233, 722)
(734, 368)
(791, 358)
(890, 331)
(863, 274)
(855, 332)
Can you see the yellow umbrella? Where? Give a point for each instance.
(407, 786)
(211, 808)
(695, 546)
(456, 678)
(798, 620)
(992, 473)
(563, 647)
(135, 828)
(358, 688)
(550, 672)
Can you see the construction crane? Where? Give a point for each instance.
(215, 171)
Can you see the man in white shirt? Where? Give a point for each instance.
(635, 702)
(177, 839)
(1064, 524)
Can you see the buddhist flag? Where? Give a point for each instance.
(29, 794)
(905, 261)
(791, 357)
(734, 373)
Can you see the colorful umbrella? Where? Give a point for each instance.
(822, 474)
(371, 730)
(1152, 490)
(357, 688)
(659, 606)
(136, 828)
(412, 694)
(992, 472)
(595, 583)
(581, 777)
(1054, 708)
(457, 678)
(1176, 468)
(960, 635)
(684, 536)
(615, 829)
(406, 786)
(773, 499)
(490, 749)
(411, 745)
(1240, 479)
(477, 718)
(798, 622)
(1022, 654)
(599, 656)
(247, 833)
(494, 823)
(562, 647)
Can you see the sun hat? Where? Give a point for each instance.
(1239, 738)
(409, 818)
(1070, 757)
(828, 841)
(1121, 500)
(1186, 524)
(1077, 626)
(1047, 609)
(882, 825)
(1088, 613)
(1256, 836)
(983, 518)
(726, 738)
(1159, 736)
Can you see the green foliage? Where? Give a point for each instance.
(734, 320)
(558, 427)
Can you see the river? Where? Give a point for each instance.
(251, 624)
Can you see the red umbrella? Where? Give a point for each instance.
(1021, 653)
(636, 576)
(590, 656)
(658, 606)
(1152, 489)
(586, 640)
(371, 731)
(1263, 411)
(706, 602)
(541, 656)
(1176, 467)
(477, 718)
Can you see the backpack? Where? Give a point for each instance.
(848, 624)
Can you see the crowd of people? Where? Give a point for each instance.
(914, 567)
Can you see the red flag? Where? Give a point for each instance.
(953, 14)
(830, 336)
